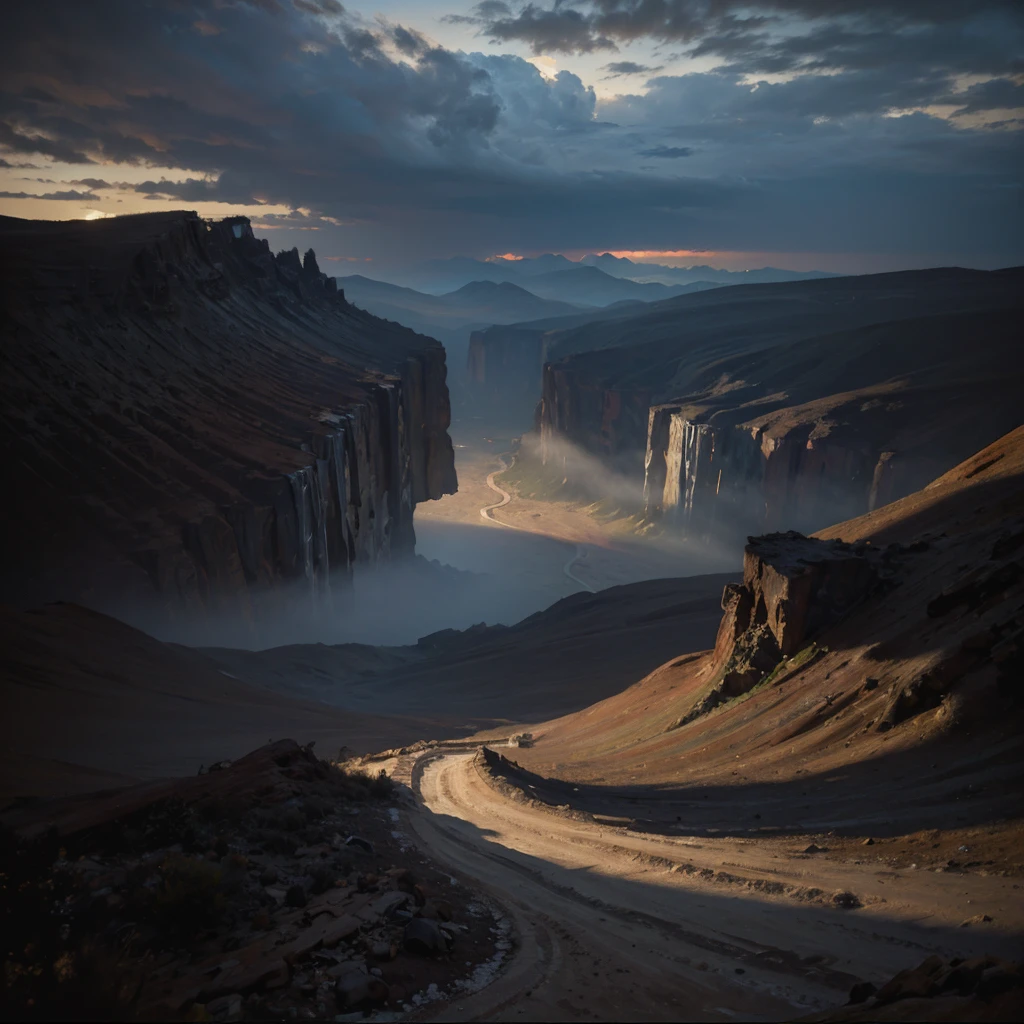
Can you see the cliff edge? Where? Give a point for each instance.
(186, 414)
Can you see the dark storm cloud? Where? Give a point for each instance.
(667, 152)
(69, 195)
(618, 68)
(996, 94)
(401, 147)
(196, 190)
(560, 29)
(724, 26)
(15, 141)
(785, 36)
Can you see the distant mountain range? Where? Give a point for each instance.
(482, 303)
(476, 304)
(592, 286)
(439, 276)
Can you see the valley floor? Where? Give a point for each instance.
(559, 535)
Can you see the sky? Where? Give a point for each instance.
(847, 135)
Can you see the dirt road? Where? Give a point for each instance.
(579, 553)
(605, 929)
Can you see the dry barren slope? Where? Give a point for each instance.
(563, 658)
(87, 702)
(903, 715)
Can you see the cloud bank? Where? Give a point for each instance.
(857, 125)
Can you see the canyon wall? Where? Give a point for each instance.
(790, 406)
(188, 416)
(504, 368)
(738, 460)
(606, 421)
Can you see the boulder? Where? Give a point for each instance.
(425, 936)
(354, 989)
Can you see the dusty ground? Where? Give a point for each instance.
(602, 554)
(761, 859)
(615, 925)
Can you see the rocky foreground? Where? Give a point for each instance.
(275, 887)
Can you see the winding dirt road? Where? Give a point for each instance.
(579, 551)
(605, 929)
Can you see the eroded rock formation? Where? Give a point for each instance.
(763, 407)
(186, 413)
(793, 587)
(830, 428)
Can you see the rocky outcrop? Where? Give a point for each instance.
(276, 882)
(981, 988)
(793, 587)
(185, 412)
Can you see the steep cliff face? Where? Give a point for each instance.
(505, 363)
(185, 412)
(738, 349)
(884, 410)
(604, 421)
(504, 367)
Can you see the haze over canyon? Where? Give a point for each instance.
(515, 511)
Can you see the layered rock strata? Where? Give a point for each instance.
(827, 429)
(186, 413)
(793, 404)
(793, 587)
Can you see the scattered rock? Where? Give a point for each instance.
(845, 900)
(325, 931)
(862, 992)
(424, 936)
(963, 976)
(437, 910)
(360, 843)
(296, 896)
(813, 848)
(356, 989)
(1000, 978)
(915, 983)
(977, 919)
(868, 842)
(227, 1008)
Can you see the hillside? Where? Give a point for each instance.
(905, 676)
(444, 275)
(592, 286)
(474, 304)
(89, 702)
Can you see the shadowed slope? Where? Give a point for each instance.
(914, 688)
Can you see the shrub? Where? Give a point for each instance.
(189, 897)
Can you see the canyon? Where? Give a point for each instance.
(639, 860)
(623, 774)
(195, 421)
(794, 404)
